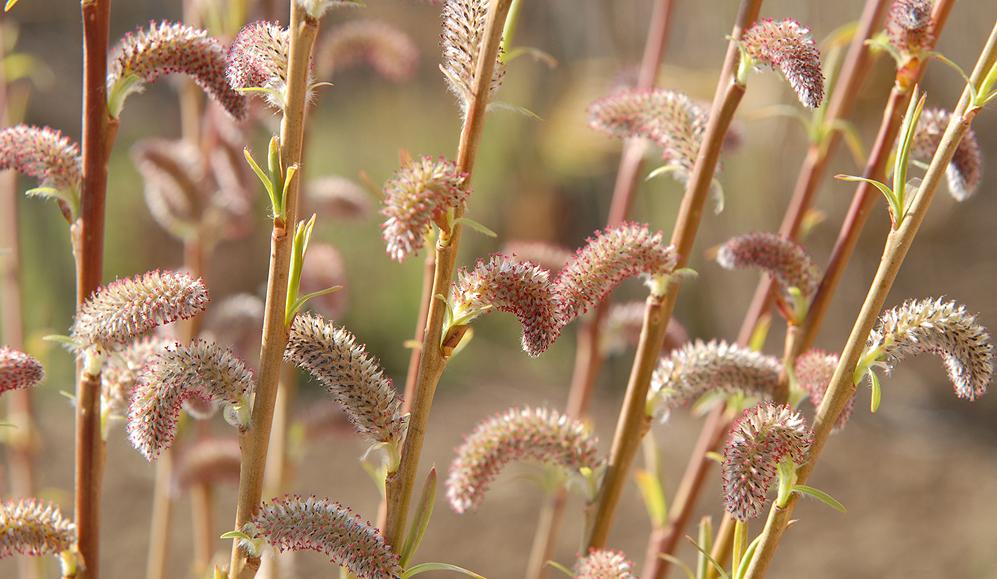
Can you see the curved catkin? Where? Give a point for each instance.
(121, 371)
(209, 461)
(786, 261)
(814, 370)
(167, 48)
(909, 26)
(786, 45)
(32, 527)
(965, 171)
(604, 564)
(174, 174)
(127, 308)
(536, 434)
(608, 258)
(419, 193)
(760, 439)
(668, 118)
(624, 323)
(354, 378)
(44, 154)
(507, 285)
(176, 373)
(463, 32)
(942, 328)
(546, 255)
(700, 367)
(293, 523)
(382, 46)
(258, 58)
(18, 370)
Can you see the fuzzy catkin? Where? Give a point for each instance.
(909, 26)
(176, 373)
(604, 564)
(121, 371)
(965, 171)
(786, 45)
(385, 48)
(814, 370)
(519, 288)
(293, 523)
(463, 32)
(537, 434)
(42, 153)
(258, 58)
(943, 328)
(18, 370)
(117, 313)
(701, 367)
(166, 48)
(786, 261)
(760, 439)
(419, 193)
(32, 527)
(354, 378)
(608, 258)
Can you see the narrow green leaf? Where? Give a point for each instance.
(678, 563)
(653, 495)
(907, 132)
(883, 188)
(425, 567)
(235, 535)
(877, 392)
(820, 496)
(720, 570)
(536, 53)
(560, 568)
(706, 540)
(715, 456)
(264, 178)
(423, 513)
(749, 554)
(476, 226)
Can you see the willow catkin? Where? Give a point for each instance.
(787, 46)
(18, 370)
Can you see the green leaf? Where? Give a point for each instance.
(300, 302)
(883, 188)
(760, 334)
(749, 554)
(275, 168)
(264, 178)
(877, 392)
(64, 340)
(423, 513)
(951, 64)
(476, 226)
(820, 496)
(299, 248)
(70, 198)
(537, 54)
(706, 540)
(715, 456)
(424, 567)
(678, 563)
(907, 132)
(560, 568)
(235, 535)
(509, 107)
(720, 570)
(653, 495)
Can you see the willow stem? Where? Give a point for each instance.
(588, 353)
(256, 440)
(432, 360)
(634, 420)
(898, 243)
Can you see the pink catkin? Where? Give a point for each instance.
(909, 26)
(786, 45)
(42, 153)
(537, 434)
(965, 170)
(608, 258)
(419, 193)
(604, 564)
(168, 48)
(293, 523)
(463, 32)
(258, 58)
(546, 255)
(814, 371)
(760, 439)
(786, 261)
(519, 288)
(383, 47)
(33, 527)
(18, 370)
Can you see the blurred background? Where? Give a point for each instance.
(918, 477)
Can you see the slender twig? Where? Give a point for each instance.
(202, 501)
(432, 359)
(256, 441)
(842, 386)
(588, 355)
(811, 174)
(634, 420)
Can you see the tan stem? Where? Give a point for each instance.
(202, 509)
(399, 485)
(256, 440)
(898, 243)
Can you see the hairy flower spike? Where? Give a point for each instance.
(32, 527)
(537, 434)
(624, 323)
(909, 26)
(786, 261)
(420, 192)
(338, 198)
(702, 367)
(507, 285)
(353, 377)
(209, 461)
(48, 156)
(293, 523)
(127, 308)
(546, 255)
(382, 46)
(814, 371)
(965, 171)
(175, 374)
(604, 564)
(669, 119)
(463, 31)
(121, 371)
(166, 48)
(788, 47)
(18, 370)
(760, 439)
(941, 328)
(175, 177)
(258, 59)
(608, 258)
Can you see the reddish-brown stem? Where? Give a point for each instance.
(588, 355)
(634, 420)
(428, 271)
